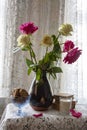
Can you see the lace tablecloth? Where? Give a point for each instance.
(50, 120)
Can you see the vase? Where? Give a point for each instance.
(40, 94)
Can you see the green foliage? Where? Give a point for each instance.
(47, 63)
(28, 62)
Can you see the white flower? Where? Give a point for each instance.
(65, 29)
(47, 40)
(23, 40)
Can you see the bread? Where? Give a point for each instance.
(19, 94)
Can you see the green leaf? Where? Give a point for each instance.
(53, 75)
(57, 48)
(29, 71)
(54, 38)
(24, 49)
(55, 70)
(46, 58)
(52, 56)
(28, 62)
(38, 74)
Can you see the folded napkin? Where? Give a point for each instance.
(38, 115)
(75, 113)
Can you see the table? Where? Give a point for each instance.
(51, 119)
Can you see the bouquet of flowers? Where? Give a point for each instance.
(48, 63)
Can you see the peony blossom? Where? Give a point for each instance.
(28, 28)
(68, 45)
(65, 29)
(47, 40)
(72, 56)
(23, 40)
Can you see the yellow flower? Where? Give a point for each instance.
(23, 40)
(65, 29)
(47, 40)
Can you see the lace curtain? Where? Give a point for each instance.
(48, 15)
(69, 77)
(82, 41)
(74, 76)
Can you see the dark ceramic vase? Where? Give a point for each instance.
(41, 95)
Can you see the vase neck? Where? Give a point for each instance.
(43, 74)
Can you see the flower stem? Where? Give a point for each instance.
(58, 36)
(33, 57)
(30, 55)
(46, 50)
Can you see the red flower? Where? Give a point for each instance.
(68, 45)
(72, 56)
(28, 28)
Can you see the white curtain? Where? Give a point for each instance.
(4, 55)
(48, 15)
(69, 77)
(73, 79)
(82, 40)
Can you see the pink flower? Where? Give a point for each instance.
(72, 56)
(28, 28)
(68, 45)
